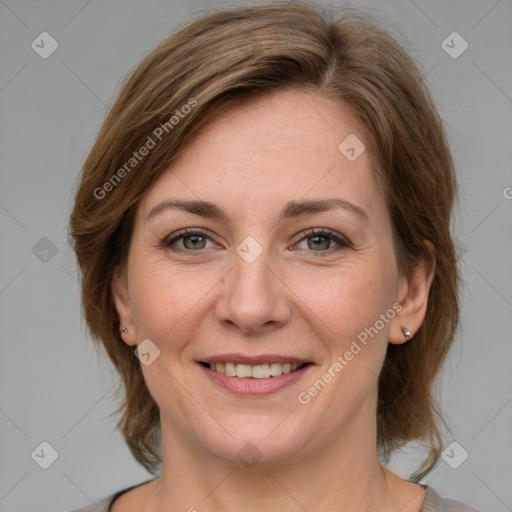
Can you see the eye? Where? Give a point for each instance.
(321, 240)
(192, 240)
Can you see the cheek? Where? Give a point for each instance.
(356, 342)
(170, 305)
(351, 309)
(165, 303)
(163, 298)
(349, 300)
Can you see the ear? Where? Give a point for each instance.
(119, 289)
(413, 297)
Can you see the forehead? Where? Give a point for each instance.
(266, 151)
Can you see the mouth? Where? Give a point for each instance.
(257, 371)
(254, 376)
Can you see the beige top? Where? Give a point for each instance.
(433, 503)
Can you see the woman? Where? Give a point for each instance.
(263, 232)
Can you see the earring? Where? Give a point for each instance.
(406, 332)
(124, 329)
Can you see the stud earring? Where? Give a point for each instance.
(406, 332)
(124, 329)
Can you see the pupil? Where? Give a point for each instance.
(318, 240)
(195, 239)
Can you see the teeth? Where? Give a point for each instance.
(243, 370)
(258, 371)
(229, 369)
(276, 369)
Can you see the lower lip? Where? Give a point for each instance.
(255, 387)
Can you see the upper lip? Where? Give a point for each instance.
(253, 360)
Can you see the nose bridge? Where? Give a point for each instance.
(252, 295)
(252, 270)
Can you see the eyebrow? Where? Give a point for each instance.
(292, 209)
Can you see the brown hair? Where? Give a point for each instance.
(227, 56)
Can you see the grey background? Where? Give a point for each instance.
(53, 388)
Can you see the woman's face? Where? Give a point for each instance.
(256, 283)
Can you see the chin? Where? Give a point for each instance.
(255, 439)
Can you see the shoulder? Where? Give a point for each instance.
(435, 503)
(105, 504)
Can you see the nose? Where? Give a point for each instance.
(253, 296)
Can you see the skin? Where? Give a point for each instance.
(290, 301)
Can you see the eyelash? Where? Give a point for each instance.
(343, 243)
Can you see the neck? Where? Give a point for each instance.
(343, 473)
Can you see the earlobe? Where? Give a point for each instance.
(413, 298)
(120, 295)
(407, 333)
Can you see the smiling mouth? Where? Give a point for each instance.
(257, 371)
